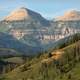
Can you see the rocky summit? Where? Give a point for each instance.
(70, 16)
(24, 14)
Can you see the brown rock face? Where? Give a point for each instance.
(70, 15)
(19, 14)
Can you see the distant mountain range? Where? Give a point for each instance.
(34, 32)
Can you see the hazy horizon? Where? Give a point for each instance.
(48, 8)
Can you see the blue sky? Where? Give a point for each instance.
(48, 8)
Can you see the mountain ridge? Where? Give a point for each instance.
(32, 31)
(25, 14)
(70, 15)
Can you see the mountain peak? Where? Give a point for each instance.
(18, 14)
(70, 15)
(22, 8)
(23, 13)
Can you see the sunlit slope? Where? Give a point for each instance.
(46, 67)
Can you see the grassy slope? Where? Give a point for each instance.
(36, 70)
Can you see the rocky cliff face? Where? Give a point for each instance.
(65, 28)
(27, 26)
(67, 24)
(33, 30)
(71, 15)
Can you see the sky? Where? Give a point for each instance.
(47, 8)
